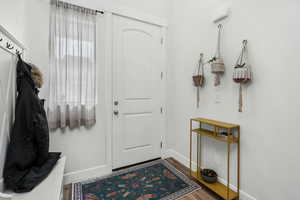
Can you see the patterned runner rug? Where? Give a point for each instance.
(156, 180)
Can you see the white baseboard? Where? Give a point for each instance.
(1, 185)
(186, 161)
(85, 174)
(5, 196)
(179, 157)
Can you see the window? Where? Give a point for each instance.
(72, 97)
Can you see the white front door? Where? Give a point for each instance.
(137, 85)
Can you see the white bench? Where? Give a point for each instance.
(49, 189)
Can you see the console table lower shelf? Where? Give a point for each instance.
(217, 187)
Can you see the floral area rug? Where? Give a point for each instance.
(156, 180)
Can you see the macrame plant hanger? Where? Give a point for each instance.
(199, 78)
(217, 63)
(242, 73)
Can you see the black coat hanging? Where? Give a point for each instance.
(28, 160)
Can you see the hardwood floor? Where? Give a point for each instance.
(202, 194)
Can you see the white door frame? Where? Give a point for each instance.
(109, 85)
(122, 11)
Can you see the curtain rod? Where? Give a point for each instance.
(100, 11)
(55, 1)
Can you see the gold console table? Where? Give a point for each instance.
(232, 137)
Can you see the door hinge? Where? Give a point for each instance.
(161, 145)
(161, 110)
(161, 75)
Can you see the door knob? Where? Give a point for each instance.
(116, 112)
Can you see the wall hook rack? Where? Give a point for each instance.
(9, 46)
(9, 43)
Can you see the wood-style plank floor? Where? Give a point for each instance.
(202, 194)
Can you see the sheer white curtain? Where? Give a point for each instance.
(72, 98)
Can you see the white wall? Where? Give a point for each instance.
(85, 149)
(269, 126)
(12, 18)
(156, 8)
(270, 159)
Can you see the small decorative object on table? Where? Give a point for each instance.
(223, 134)
(209, 175)
(242, 72)
(199, 78)
(217, 63)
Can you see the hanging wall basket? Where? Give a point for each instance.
(242, 72)
(198, 79)
(217, 63)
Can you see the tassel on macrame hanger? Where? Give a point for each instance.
(198, 97)
(241, 98)
(217, 80)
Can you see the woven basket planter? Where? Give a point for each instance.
(198, 80)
